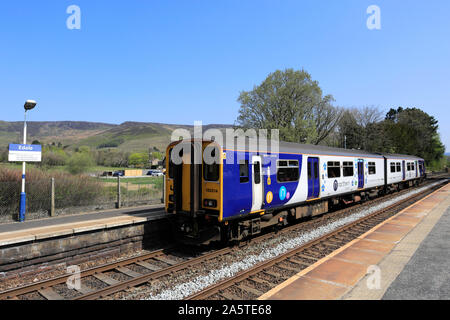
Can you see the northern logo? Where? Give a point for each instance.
(335, 185)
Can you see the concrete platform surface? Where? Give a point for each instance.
(398, 259)
(17, 232)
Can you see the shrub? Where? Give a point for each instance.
(80, 163)
(70, 190)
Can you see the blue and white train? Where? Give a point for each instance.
(230, 200)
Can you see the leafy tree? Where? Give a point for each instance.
(138, 159)
(350, 132)
(413, 131)
(54, 158)
(292, 102)
(83, 149)
(80, 163)
(156, 155)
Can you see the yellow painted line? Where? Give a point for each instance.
(286, 283)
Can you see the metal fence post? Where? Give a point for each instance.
(118, 192)
(52, 208)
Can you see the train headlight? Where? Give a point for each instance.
(209, 203)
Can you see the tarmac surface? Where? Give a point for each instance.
(156, 210)
(427, 274)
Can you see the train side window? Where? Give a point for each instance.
(211, 171)
(170, 164)
(316, 169)
(347, 169)
(288, 170)
(309, 171)
(408, 166)
(243, 171)
(257, 172)
(399, 168)
(413, 167)
(372, 168)
(392, 167)
(334, 169)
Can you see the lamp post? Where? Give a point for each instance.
(29, 104)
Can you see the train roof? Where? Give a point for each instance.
(291, 147)
(400, 156)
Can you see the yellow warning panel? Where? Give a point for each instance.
(269, 197)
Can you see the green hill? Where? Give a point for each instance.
(128, 136)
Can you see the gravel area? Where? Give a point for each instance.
(183, 284)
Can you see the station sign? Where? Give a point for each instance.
(25, 152)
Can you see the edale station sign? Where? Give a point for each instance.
(25, 152)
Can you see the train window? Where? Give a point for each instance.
(413, 167)
(372, 168)
(408, 166)
(287, 170)
(347, 169)
(170, 165)
(316, 169)
(309, 171)
(399, 168)
(257, 172)
(243, 171)
(334, 169)
(392, 166)
(211, 171)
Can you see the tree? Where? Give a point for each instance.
(138, 159)
(291, 102)
(156, 155)
(79, 163)
(349, 131)
(412, 131)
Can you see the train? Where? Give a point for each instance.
(248, 187)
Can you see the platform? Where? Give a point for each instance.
(405, 257)
(14, 233)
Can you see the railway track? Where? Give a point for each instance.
(256, 281)
(101, 281)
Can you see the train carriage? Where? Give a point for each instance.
(249, 187)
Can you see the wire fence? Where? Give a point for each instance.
(75, 195)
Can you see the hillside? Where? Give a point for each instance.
(128, 136)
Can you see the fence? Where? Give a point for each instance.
(68, 194)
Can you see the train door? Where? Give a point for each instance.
(416, 169)
(313, 178)
(257, 186)
(360, 173)
(186, 181)
(403, 170)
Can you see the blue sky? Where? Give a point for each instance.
(180, 61)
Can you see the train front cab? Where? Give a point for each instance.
(193, 190)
